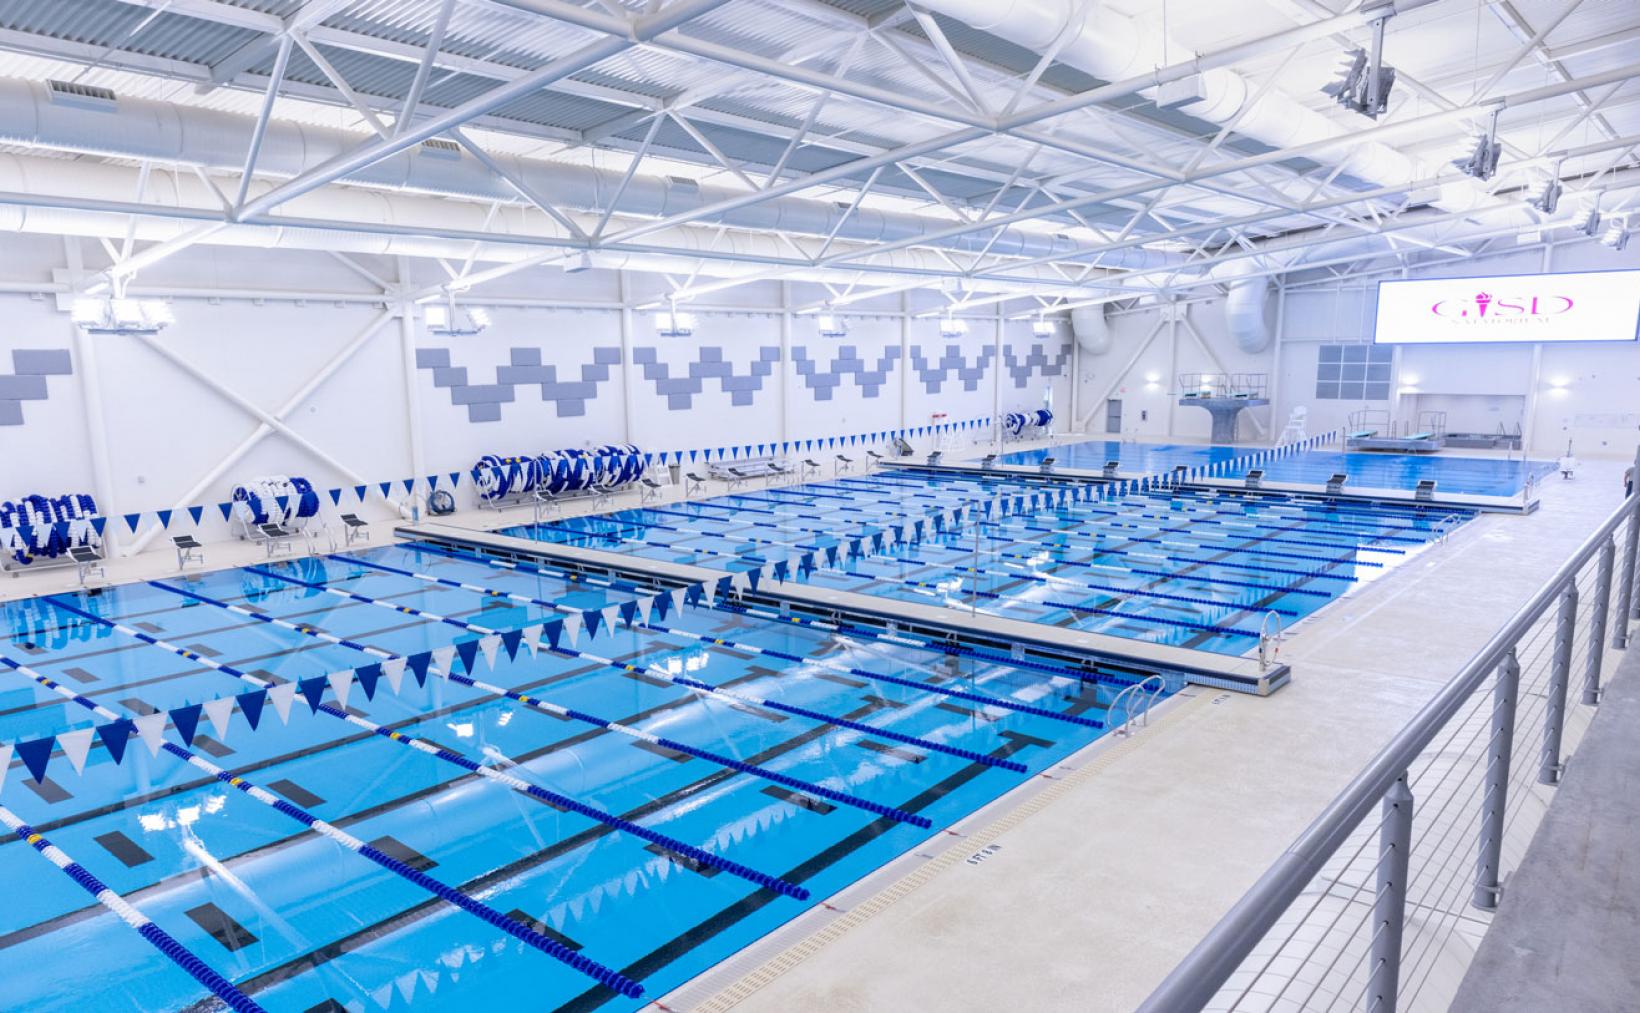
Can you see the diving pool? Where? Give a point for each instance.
(639, 852)
(1476, 476)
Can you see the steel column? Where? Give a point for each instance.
(1389, 909)
(1495, 801)
(1560, 672)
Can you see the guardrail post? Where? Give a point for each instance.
(1496, 797)
(1389, 910)
(1597, 622)
(1625, 589)
(1560, 673)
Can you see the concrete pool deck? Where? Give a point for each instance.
(1091, 898)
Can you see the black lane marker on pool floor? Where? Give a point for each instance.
(370, 933)
(222, 927)
(665, 954)
(123, 848)
(273, 847)
(296, 754)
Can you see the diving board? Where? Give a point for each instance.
(1010, 637)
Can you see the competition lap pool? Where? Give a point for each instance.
(551, 831)
(1191, 568)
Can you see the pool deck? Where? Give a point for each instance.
(1087, 900)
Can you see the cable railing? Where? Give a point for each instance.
(1380, 904)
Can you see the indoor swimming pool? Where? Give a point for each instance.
(1475, 476)
(644, 801)
(1190, 568)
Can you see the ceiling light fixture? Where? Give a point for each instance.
(951, 327)
(121, 316)
(1482, 160)
(673, 324)
(831, 326)
(1364, 82)
(1616, 236)
(448, 319)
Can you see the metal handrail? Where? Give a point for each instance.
(1146, 694)
(1204, 971)
(1265, 639)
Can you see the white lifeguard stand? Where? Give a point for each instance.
(1295, 430)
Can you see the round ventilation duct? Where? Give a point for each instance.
(1092, 329)
(1250, 314)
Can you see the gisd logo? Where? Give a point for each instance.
(1484, 307)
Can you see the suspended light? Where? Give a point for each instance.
(831, 326)
(1042, 327)
(1546, 198)
(448, 319)
(121, 316)
(1486, 149)
(1588, 222)
(672, 324)
(1616, 236)
(951, 327)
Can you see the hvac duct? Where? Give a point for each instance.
(1249, 312)
(1091, 328)
(32, 114)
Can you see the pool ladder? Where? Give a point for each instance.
(1269, 643)
(1445, 526)
(1145, 693)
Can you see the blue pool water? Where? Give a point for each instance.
(297, 921)
(1476, 476)
(1184, 568)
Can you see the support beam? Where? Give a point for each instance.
(639, 31)
(268, 423)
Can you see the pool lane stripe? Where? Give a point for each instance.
(736, 698)
(547, 707)
(863, 673)
(523, 933)
(489, 773)
(155, 936)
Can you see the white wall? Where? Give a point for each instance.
(563, 365)
(1588, 394)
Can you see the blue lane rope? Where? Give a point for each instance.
(155, 936)
(901, 638)
(534, 703)
(982, 698)
(659, 672)
(489, 773)
(553, 949)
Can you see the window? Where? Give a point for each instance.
(1354, 372)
